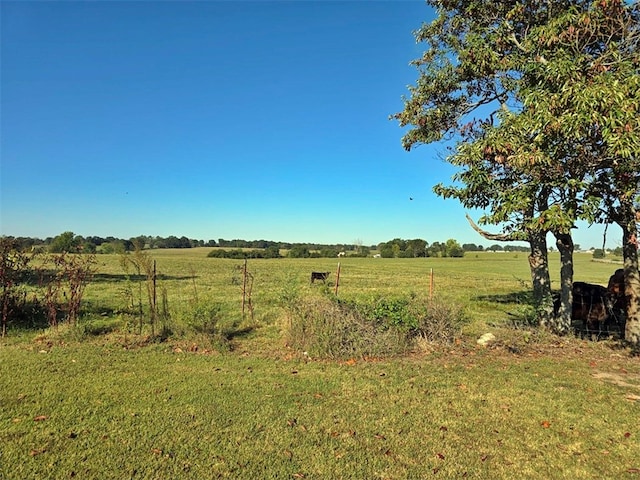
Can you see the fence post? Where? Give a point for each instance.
(244, 285)
(337, 278)
(155, 299)
(431, 286)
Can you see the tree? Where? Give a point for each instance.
(418, 247)
(453, 249)
(524, 90)
(436, 249)
(272, 252)
(472, 66)
(584, 100)
(65, 242)
(386, 250)
(299, 251)
(115, 246)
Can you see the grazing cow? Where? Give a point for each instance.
(593, 304)
(319, 276)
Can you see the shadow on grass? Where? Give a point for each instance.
(44, 277)
(525, 317)
(524, 297)
(101, 327)
(30, 316)
(239, 333)
(114, 278)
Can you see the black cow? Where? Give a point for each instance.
(616, 282)
(319, 276)
(593, 304)
(616, 288)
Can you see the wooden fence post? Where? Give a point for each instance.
(431, 286)
(244, 286)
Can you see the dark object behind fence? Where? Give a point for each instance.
(319, 276)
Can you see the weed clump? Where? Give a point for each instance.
(439, 322)
(330, 328)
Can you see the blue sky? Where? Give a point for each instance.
(252, 120)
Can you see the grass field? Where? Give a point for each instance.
(100, 402)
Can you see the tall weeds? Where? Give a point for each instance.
(330, 328)
(14, 265)
(65, 275)
(144, 268)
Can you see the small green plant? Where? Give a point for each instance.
(204, 317)
(390, 311)
(525, 316)
(289, 293)
(205, 326)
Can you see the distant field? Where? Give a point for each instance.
(485, 283)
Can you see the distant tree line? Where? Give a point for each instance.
(71, 243)
(237, 248)
(240, 254)
(399, 248)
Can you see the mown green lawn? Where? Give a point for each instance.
(110, 404)
(100, 411)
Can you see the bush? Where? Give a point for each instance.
(204, 318)
(202, 325)
(380, 326)
(14, 269)
(439, 323)
(327, 328)
(389, 311)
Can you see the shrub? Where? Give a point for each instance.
(331, 329)
(389, 311)
(379, 326)
(438, 322)
(204, 317)
(14, 267)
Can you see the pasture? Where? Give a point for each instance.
(100, 401)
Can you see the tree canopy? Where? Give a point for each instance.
(541, 101)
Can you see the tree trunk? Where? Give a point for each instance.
(631, 277)
(562, 321)
(539, 265)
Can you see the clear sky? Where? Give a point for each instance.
(220, 119)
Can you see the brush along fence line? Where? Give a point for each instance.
(490, 288)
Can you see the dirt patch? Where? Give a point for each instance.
(627, 380)
(622, 379)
